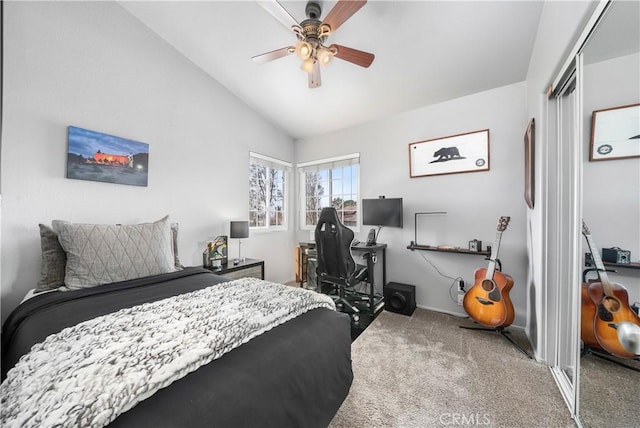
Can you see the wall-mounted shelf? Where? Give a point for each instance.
(456, 250)
(633, 265)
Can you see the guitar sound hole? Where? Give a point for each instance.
(487, 285)
(611, 304)
(604, 314)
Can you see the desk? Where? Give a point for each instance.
(373, 250)
(302, 261)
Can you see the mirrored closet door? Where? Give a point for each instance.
(610, 383)
(596, 178)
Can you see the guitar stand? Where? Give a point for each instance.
(590, 351)
(504, 333)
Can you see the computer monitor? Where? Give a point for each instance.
(382, 212)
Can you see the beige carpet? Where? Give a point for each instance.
(425, 371)
(609, 393)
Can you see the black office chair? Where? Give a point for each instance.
(335, 263)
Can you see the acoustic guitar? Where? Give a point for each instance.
(605, 307)
(488, 302)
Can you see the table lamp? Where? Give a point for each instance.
(239, 230)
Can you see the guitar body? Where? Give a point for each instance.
(587, 315)
(607, 321)
(488, 302)
(611, 308)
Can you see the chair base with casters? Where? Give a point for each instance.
(350, 301)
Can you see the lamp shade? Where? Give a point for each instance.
(239, 229)
(304, 50)
(307, 65)
(324, 56)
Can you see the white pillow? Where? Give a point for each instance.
(101, 254)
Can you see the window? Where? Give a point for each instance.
(330, 183)
(268, 186)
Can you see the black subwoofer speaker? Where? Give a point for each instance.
(400, 298)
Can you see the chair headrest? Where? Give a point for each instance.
(333, 244)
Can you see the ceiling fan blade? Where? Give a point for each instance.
(361, 58)
(270, 56)
(279, 12)
(314, 76)
(342, 11)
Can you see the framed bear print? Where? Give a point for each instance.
(454, 154)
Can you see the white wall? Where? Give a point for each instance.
(474, 201)
(91, 64)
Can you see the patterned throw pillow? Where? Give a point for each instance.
(54, 259)
(101, 254)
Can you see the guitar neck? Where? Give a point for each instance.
(599, 264)
(494, 255)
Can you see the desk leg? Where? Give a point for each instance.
(371, 269)
(384, 267)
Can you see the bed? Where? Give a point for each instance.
(291, 371)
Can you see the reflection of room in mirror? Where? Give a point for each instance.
(615, 133)
(609, 386)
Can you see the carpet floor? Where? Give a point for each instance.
(609, 393)
(425, 371)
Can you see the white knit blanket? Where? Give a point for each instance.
(88, 374)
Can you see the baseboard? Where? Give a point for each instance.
(461, 315)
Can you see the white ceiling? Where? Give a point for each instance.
(426, 52)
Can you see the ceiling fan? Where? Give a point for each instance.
(312, 34)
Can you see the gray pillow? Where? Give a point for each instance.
(101, 254)
(54, 260)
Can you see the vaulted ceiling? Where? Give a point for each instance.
(425, 52)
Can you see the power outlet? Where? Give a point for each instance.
(460, 291)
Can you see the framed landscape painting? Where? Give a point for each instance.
(95, 156)
(450, 155)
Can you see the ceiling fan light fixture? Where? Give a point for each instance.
(304, 49)
(307, 65)
(324, 56)
(311, 35)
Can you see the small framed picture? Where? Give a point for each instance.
(467, 152)
(218, 250)
(615, 133)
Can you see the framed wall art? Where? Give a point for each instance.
(529, 164)
(95, 156)
(615, 133)
(467, 152)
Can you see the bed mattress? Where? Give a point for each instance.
(296, 374)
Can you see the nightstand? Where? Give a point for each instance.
(247, 268)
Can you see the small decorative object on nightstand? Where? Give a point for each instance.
(216, 253)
